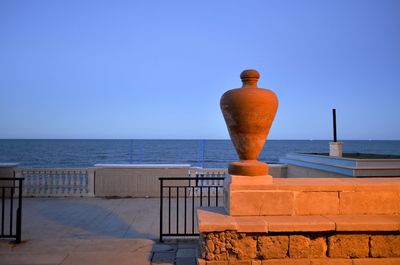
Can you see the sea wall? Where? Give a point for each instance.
(109, 180)
(134, 180)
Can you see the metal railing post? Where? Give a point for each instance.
(3, 199)
(19, 213)
(161, 209)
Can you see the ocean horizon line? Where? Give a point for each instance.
(209, 153)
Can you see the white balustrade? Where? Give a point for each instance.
(57, 182)
(79, 182)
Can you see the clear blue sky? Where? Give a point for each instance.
(157, 69)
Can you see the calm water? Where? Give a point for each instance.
(217, 153)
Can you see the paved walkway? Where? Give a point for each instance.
(94, 231)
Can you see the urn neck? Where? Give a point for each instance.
(250, 83)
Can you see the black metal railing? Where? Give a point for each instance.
(183, 195)
(11, 216)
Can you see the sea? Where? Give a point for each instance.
(201, 153)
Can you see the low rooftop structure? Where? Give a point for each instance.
(349, 165)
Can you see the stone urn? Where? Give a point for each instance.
(249, 112)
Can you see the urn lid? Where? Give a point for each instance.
(250, 73)
(249, 77)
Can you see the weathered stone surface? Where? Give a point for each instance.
(217, 262)
(228, 245)
(260, 202)
(310, 203)
(348, 246)
(299, 224)
(286, 262)
(211, 247)
(366, 202)
(386, 261)
(363, 223)
(329, 261)
(231, 244)
(247, 247)
(214, 219)
(305, 247)
(240, 262)
(383, 246)
(273, 247)
(251, 224)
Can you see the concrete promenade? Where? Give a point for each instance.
(94, 231)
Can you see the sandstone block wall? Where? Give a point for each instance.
(231, 247)
(317, 197)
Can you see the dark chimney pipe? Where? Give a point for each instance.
(334, 125)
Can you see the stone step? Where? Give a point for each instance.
(216, 219)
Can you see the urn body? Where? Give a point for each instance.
(249, 112)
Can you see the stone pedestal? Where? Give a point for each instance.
(245, 195)
(335, 149)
